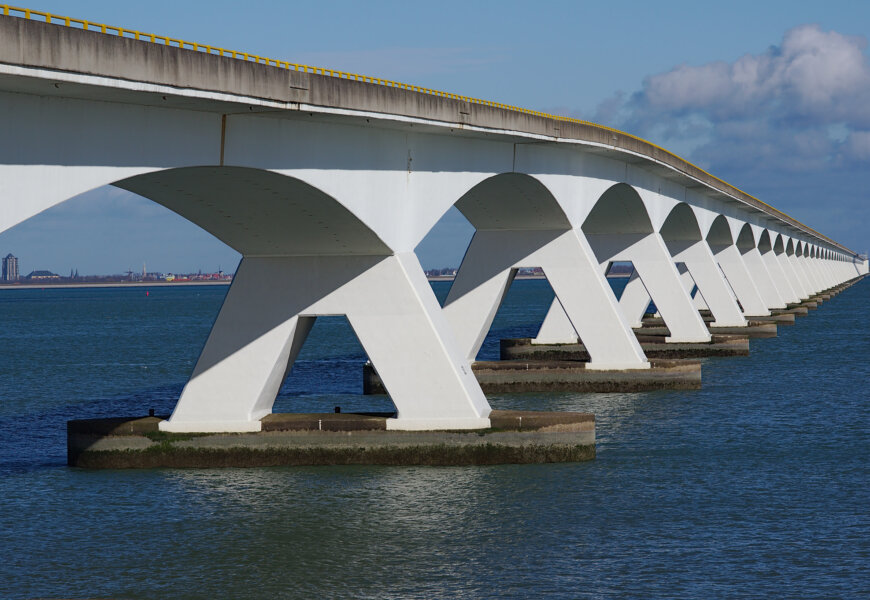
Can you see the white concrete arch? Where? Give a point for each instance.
(794, 274)
(824, 265)
(722, 242)
(520, 223)
(806, 261)
(748, 242)
(258, 212)
(90, 148)
(770, 246)
(399, 182)
(619, 228)
(686, 243)
(305, 254)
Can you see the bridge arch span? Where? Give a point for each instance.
(772, 245)
(747, 238)
(304, 255)
(681, 224)
(512, 201)
(520, 223)
(619, 210)
(803, 279)
(722, 239)
(620, 228)
(258, 212)
(720, 233)
(756, 249)
(776, 241)
(684, 238)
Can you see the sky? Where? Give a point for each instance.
(773, 97)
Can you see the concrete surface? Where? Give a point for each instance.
(332, 439)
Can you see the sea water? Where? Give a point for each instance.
(754, 486)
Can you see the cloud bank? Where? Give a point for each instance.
(791, 124)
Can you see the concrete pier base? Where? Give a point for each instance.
(653, 347)
(798, 311)
(332, 439)
(753, 329)
(778, 317)
(784, 319)
(569, 376)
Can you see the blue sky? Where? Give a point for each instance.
(773, 97)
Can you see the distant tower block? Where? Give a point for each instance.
(10, 268)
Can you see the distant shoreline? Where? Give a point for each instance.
(139, 284)
(452, 277)
(117, 284)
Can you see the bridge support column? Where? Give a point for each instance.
(830, 276)
(699, 260)
(795, 279)
(634, 300)
(269, 311)
(737, 274)
(818, 265)
(590, 309)
(778, 275)
(829, 267)
(821, 266)
(656, 270)
(656, 274)
(811, 272)
(805, 268)
(763, 278)
(775, 296)
(689, 285)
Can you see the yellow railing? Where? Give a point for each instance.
(47, 17)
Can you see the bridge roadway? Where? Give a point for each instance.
(326, 184)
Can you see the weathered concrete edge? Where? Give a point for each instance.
(722, 346)
(508, 376)
(135, 443)
(422, 455)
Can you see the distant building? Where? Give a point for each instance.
(43, 275)
(10, 268)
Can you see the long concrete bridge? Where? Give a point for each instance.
(325, 182)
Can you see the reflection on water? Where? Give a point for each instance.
(754, 486)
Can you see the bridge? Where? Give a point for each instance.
(326, 181)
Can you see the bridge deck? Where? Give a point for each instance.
(255, 87)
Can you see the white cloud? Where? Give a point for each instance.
(790, 124)
(816, 74)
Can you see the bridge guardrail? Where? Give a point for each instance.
(27, 13)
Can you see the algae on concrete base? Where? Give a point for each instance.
(290, 439)
(163, 455)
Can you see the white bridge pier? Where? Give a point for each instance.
(326, 185)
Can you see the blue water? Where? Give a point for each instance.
(755, 486)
